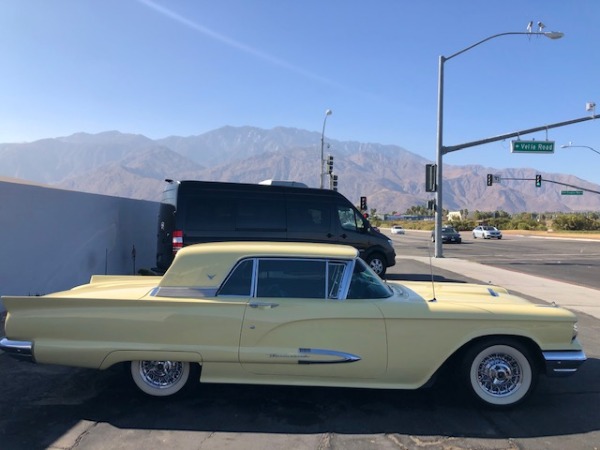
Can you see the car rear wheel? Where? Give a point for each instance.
(162, 378)
(499, 373)
(377, 264)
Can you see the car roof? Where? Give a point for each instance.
(207, 265)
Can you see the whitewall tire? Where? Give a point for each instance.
(160, 378)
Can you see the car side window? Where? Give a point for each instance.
(335, 276)
(239, 282)
(291, 278)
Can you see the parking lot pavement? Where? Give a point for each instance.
(570, 296)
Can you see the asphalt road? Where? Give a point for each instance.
(574, 261)
(66, 408)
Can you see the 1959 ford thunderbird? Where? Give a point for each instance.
(295, 314)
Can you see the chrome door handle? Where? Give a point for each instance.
(263, 305)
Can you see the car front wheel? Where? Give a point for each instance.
(499, 373)
(161, 378)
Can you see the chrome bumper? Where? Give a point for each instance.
(17, 349)
(563, 363)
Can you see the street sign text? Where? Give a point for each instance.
(532, 146)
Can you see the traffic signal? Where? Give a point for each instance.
(430, 177)
(334, 182)
(330, 164)
(431, 205)
(363, 203)
(538, 181)
(490, 179)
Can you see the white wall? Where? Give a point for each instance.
(53, 239)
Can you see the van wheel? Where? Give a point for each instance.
(377, 264)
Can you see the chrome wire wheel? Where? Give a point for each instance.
(501, 375)
(160, 378)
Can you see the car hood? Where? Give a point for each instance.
(467, 296)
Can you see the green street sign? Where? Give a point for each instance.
(571, 192)
(532, 146)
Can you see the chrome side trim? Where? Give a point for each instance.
(183, 292)
(338, 357)
(17, 349)
(563, 363)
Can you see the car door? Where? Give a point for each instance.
(296, 326)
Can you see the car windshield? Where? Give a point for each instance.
(366, 284)
(448, 230)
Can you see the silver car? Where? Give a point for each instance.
(487, 232)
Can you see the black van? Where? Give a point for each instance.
(193, 212)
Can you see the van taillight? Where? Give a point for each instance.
(177, 241)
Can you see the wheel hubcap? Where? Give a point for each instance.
(377, 266)
(499, 375)
(161, 374)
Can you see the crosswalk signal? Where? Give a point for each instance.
(538, 181)
(490, 179)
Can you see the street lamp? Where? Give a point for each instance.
(327, 113)
(441, 150)
(569, 145)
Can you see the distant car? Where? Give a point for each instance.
(487, 232)
(449, 235)
(397, 229)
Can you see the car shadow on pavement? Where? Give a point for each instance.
(558, 407)
(56, 399)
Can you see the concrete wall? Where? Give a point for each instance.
(53, 239)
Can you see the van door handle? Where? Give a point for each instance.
(344, 235)
(329, 235)
(263, 305)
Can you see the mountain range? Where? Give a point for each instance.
(391, 177)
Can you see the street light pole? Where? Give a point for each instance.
(569, 145)
(327, 113)
(441, 150)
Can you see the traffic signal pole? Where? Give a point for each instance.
(452, 148)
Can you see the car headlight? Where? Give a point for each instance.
(390, 243)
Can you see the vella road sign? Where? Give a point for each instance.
(571, 192)
(532, 146)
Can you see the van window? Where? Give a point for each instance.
(350, 219)
(169, 195)
(308, 216)
(208, 214)
(260, 213)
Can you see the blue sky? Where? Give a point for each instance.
(184, 67)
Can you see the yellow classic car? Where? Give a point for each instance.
(295, 314)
